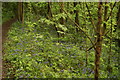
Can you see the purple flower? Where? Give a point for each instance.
(37, 41)
(35, 54)
(84, 70)
(14, 53)
(17, 50)
(92, 72)
(51, 64)
(19, 44)
(25, 50)
(32, 50)
(21, 76)
(46, 62)
(61, 70)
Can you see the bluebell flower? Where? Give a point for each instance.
(61, 70)
(21, 76)
(14, 53)
(17, 50)
(46, 62)
(37, 41)
(25, 50)
(51, 64)
(32, 50)
(35, 54)
(84, 70)
(19, 43)
(92, 72)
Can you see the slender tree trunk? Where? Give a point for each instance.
(99, 41)
(68, 5)
(62, 21)
(76, 17)
(20, 11)
(118, 18)
(49, 10)
(61, 11)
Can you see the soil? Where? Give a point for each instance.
(5, 28)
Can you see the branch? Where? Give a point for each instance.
(90, 17)
(91, 47)
(77, 26)
(111, 11)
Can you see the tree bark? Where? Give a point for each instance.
(61, 11)
(62, 21)
(20, 11)
(49, 10)
(76, 17)
(99, 41)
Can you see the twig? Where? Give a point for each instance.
(111, 11)
(90, 17)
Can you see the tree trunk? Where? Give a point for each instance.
(99, 41)
(118, 18)
(76, 17)
(49, 10)
(61, 11)
(20, 11)
(62, 21)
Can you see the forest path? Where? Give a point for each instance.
(5, 28)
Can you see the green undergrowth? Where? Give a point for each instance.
(36, 52)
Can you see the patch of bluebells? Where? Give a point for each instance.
(79, 64)
(61, 70)
(90, 71)
(14, 53)
(37, 41)
(25, 50)
(51, 65)
(21, 76)
(60, 65)
(35, 54)
(19, 43)
(16, 50)
(46, 62)
(32, 51)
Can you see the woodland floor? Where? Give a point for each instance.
(5, 28)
